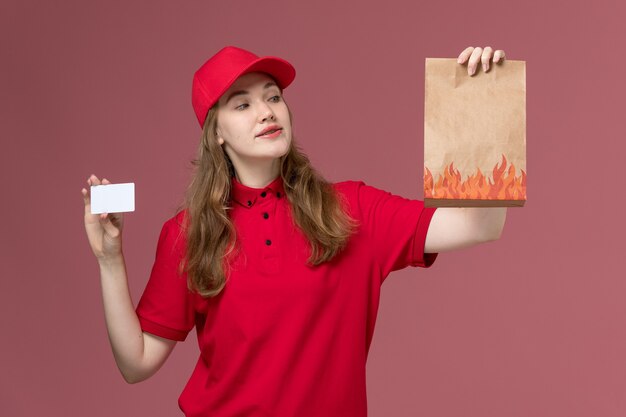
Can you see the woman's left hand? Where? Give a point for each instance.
(476, 54)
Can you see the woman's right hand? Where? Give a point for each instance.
(104, 231)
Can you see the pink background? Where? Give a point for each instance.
(531, 325)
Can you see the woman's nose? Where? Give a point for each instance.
(266, 113)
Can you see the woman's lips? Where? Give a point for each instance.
(271, 135)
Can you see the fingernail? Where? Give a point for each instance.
(485, 67)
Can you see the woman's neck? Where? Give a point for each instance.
(257, 176)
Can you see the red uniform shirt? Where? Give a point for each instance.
(284, 339)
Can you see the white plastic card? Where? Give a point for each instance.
(113, 198)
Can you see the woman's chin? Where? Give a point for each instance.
(277, 149)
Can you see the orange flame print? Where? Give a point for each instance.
(503, 186)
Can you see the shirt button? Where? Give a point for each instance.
(277, 195)
(265, 215)
(263, 194)
(249, 203)
(268, 242)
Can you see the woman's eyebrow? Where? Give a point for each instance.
(244, 92)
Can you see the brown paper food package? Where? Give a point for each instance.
(474, 134)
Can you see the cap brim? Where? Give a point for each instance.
(282, 71)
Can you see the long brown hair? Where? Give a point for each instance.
(211, 238)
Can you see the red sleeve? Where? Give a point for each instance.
(166, 305)
(397, 228)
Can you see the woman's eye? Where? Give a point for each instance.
(241, 106)
(275, 99)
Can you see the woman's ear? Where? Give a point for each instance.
(220, 141)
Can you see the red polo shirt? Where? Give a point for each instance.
(284, 339)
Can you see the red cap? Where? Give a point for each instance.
(221, 70)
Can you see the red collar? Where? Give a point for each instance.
(247, 196)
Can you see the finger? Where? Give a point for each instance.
(107, 223)
(111, 217)
(473, 61)
(93, 180)
(105, 181)
(117, 219)
(485, 57)
(465, 54)
(86, 197)
(104, 220)
(498, 56)
(87, 201)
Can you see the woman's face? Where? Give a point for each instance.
(248, 108)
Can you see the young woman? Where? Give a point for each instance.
(278, 270)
